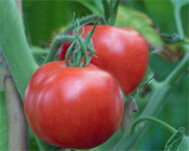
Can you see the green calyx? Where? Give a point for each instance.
(79, 47)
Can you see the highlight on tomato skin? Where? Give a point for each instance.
(121, 51)
(77, 108)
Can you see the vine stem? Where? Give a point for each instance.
(173, 77)
(160, 96)
(158, 100)
(84, 21)
(146, 118)
(178, 22)
(14, 45)
(56, 44)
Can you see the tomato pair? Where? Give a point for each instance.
(122, 52)
(81, 108)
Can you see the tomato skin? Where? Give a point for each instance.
(77, 108)
(121, 51)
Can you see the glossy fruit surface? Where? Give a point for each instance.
(71, 107)
(121, 51)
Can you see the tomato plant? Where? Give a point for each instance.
(121, 51)
(73, 107)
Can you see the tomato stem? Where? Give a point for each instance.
(84, 21)
(56, 44)
(80, 48)
(141, 85)
(76, 57)
(83, 47)
(68, 51)
(152, 119)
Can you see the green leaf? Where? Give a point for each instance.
(168, 14)
(139, 5)
(160, 67)
(43, 18)
(128, 17)
(177, 141)
(3, 123)
(114, 12)
(106, 9)
(99, 5)
(161, 13)
(184, 145)
(93, 6)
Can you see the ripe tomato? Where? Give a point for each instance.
(71, 107)
(121, 51)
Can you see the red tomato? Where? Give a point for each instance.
(121, 51)
(71, 107)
